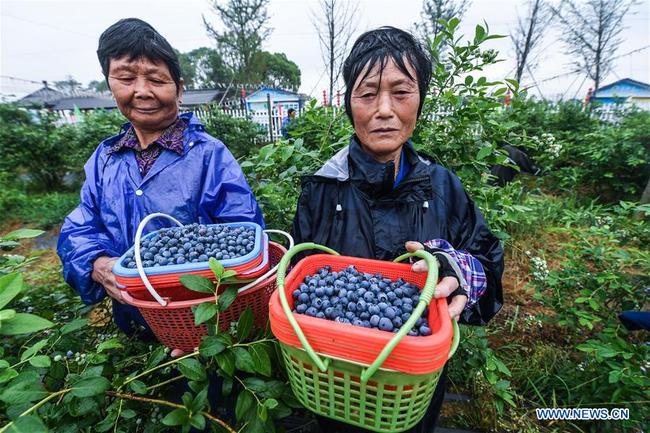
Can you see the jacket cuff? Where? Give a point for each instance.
(468, 270)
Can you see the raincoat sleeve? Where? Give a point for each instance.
(226, 196)
(470, 233)
(84, 237)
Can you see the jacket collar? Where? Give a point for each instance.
(378, 176)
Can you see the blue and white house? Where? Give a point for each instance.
(280, 100)
(624, 92)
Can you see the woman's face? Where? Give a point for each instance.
(384, 111)
(145, 92)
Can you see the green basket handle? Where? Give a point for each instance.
(282, 271)
(425, 298)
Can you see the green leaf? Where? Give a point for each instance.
(245, 402)
(22, 234)
(156, 357)
(479, 34)
(24, 323)
(243, 360)
(90, 386)
(197, 283)
(615, 376)
(7, 374)
(192, 369)
(138, 387)
(226, 386)
(226, 361)
(28, 424)
(484, 152)
(245, 323)
(178, 416)
(10, 286)
(261, 359)
(198, 421)
(23, 392)
(113, 343)
(73, 326)
(271, 403)
(7, 314)
(33, 350)
(204, 312)
(128, 414)
(40, 361)
(216, 267)
(227, 298)
(227, 274)
(262, 412)
(211, 346)
(200, 400)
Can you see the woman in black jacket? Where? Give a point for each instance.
(378, 197)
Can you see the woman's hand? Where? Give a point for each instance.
(445, 287)
(103, 274)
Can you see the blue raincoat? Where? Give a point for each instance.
(204, 184)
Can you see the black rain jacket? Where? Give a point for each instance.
(350, 205)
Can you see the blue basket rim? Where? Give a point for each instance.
(122, 271)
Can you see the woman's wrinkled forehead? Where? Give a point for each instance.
(372, 73)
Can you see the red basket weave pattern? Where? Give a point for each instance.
(413, 355)
(173, 324)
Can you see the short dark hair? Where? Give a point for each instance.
(291, 110)
(135, 38)
(380, 45)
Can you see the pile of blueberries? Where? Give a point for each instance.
(193, 243)
(360, 299)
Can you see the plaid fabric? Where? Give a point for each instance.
(170, 139)
(469, 269)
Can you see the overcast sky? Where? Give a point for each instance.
(48, 40)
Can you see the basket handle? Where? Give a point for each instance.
(138, 259)
(282, 271)
(271, 271)
(425, 299)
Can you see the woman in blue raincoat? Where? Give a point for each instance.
(160, 162)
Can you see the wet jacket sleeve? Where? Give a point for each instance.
(470, 233)
(84, 238)
(226, 196)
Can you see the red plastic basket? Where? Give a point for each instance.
(173, 324)
(413, 355)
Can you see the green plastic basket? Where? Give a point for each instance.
(367, 396)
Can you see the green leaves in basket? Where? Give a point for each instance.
(226, 299)
(197, 283)
(204, 312)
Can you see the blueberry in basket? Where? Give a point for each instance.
(193, 243)
(360, 299)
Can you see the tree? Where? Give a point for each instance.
(433, 11)
(592, 32)
(244, 24)
(335, 28)
(203, 68)
(97, 86)
(276, 70)
(69, 85)
(528, 34)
